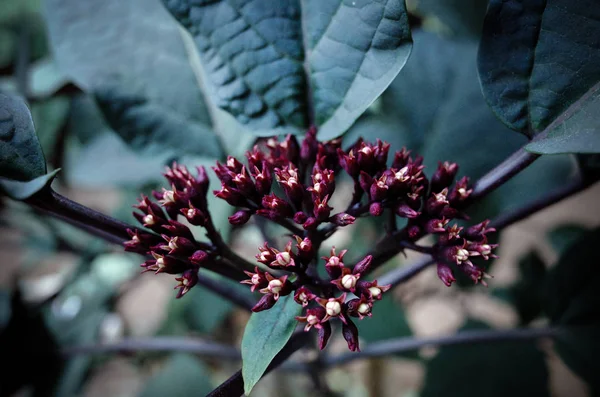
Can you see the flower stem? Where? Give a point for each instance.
(401, 345)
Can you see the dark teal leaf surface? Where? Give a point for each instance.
(262, 57)
(537, 57)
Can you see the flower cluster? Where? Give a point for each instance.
(169, 243)
(292, 184)
(318, 296)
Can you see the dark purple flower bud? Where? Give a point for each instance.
(401, 158)
(457, 254)
(255, 159)
(381, 153)
(233, 197)
(413, 231)
(288, 179)
(365, 181)
(311, 223)
(265, 303)
(148, 207)
(198, 257)
(478, 232)
(349, 163)
(346, 281)
(266, 254)
(334, 263)
(224, 174)
(342, 219)
(476, 274)
(379, 189)
(324, 332)
(240, 217)
(366, 157)
(437, 202)
(315, 317)
(321, 209)
(194, 215)
(350, 333)
(187, 280)
(244, 183)
(163, 264)
(178, 229)
(371, 289)
(333, 307)
(363, 266)
(276, 204)
(257, 280)
(445, 274)
(303, 296)
(277, 286)
(436, 225)
(360, 307)
(234, 165)
(177, 245)
(151, 221)
(405, 211)
(376, 209)
(309, 148)
(140, 241)
(300, 217)
(263, 179)
(305, 248)
(443, 176)
(482, 248)
(460, 192)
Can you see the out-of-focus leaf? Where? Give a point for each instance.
(451, 17)
(8, 45)
(46, 78)
(152, 129)
(515, 369)
(265, 335)
(536, 59)
(564, 236)
(182, 375)
(50, 116)
(143, 53)
(572, 301)
(527, 294)
(260, 58)
(21, 157)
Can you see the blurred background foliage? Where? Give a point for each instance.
(113, 123)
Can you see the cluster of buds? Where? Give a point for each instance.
(355, 296)
(168, 243)
(292, 184)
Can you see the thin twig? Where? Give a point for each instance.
(401, 345)
(157, 344)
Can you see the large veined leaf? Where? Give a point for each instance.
(537, 58)
(265, 335)
(277, 65)
(22, 162)
(132, 55)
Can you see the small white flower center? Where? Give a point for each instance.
(256, 279)
(334, 261)
(173, 243)
(462, 255)
(284, 258)
(312, 319)
(486, 249)
(149, 220)
(333, 308)
(349, 281)
(375, 292)
(275, 286)
(364, 308)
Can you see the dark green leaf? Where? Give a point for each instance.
(564, 236)
(571, 294)
(265, 335)
(182, 375)
(573, 301)
(451, 17)
(21, 157)
(8, 45)
(46, 79)
(536, 58)
(576, 131)
(151, 129)
(23, 190)
(50, 116)
(527, 293)
(496, 369)
(257, 55)
(143, 53)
